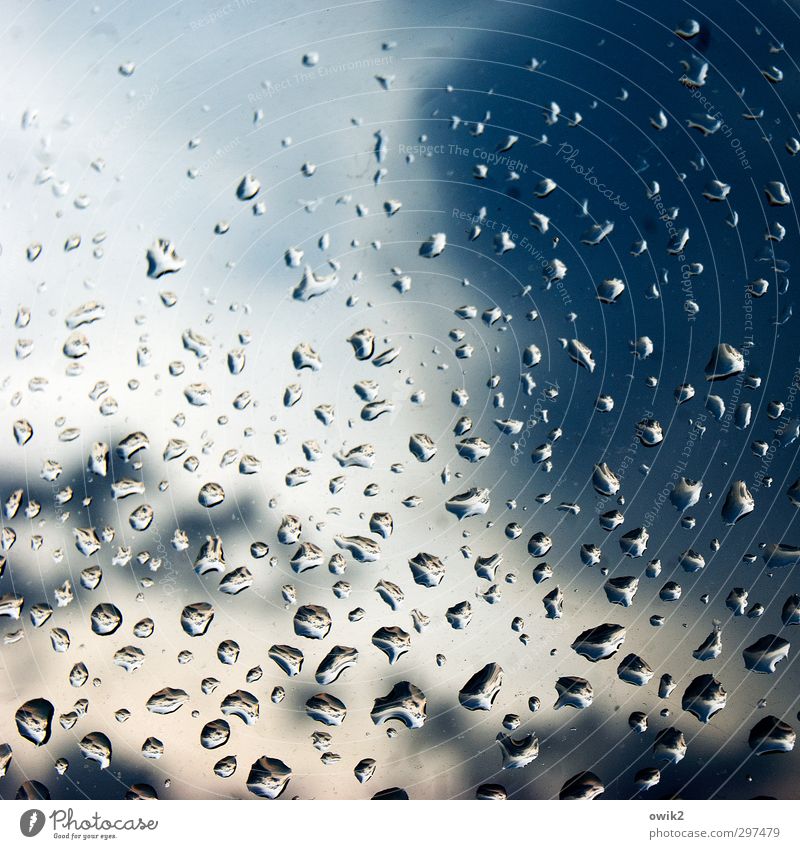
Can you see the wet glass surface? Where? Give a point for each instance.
(399, 398)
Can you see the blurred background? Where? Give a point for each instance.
(121, 125)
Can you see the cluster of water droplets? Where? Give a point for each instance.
(339, 410)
